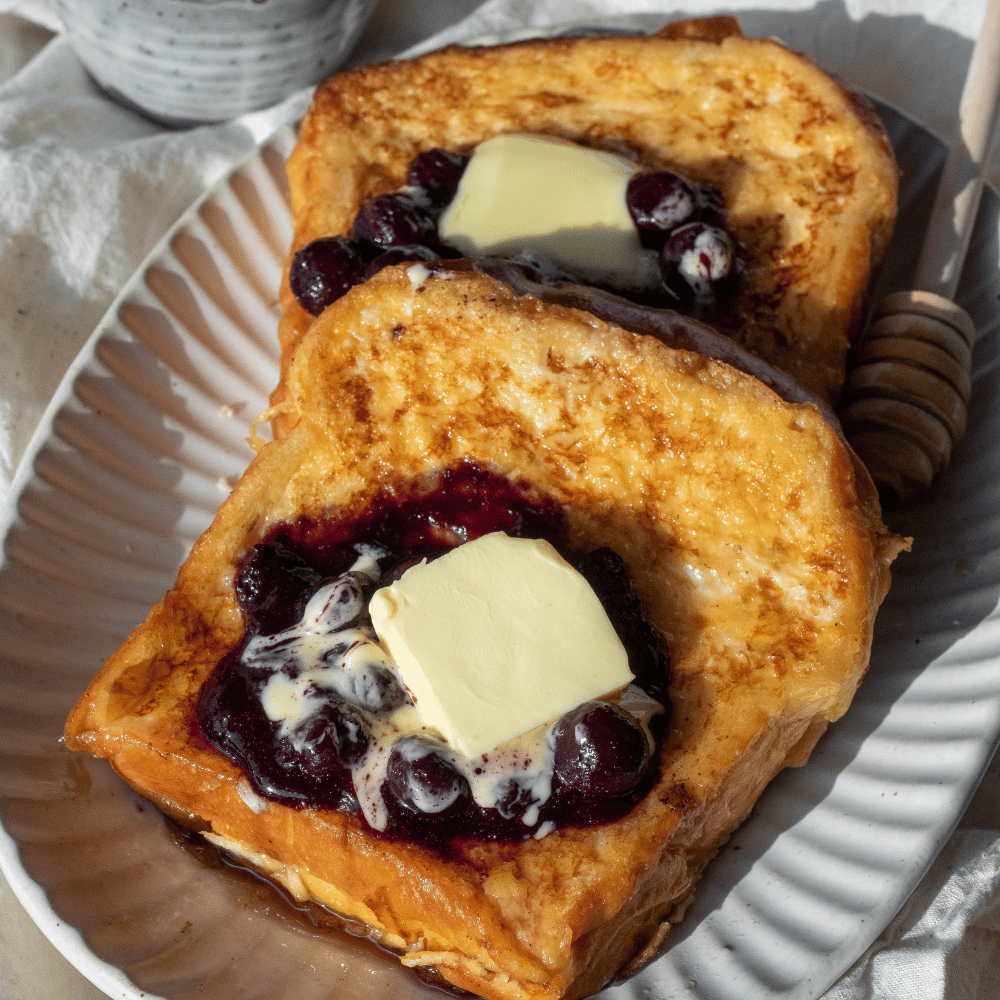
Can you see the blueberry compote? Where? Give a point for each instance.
(682, 222)
(314, 713)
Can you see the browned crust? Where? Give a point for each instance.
(702, 29)
(804, 163)
(643, 447)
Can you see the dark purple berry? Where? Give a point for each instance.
(341, 602)
(659, 203)
(375, 689)
(600, 750)
(698, 256)
(273, 587)
(711, 207)
(392, 220)
(394, 573)
(514, 799)
(414, 253)
(322, 271)
(421, 779)
(335, 735)
(438, 172)
(606, 573)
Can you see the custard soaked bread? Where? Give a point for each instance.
(750, 534)
(806, 174)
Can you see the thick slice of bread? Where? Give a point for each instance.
(804, 165)
(753, 537)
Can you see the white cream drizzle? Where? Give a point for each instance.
(326, 652)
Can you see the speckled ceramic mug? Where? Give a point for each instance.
(183, 62)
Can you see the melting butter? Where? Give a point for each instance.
(496, 637)
(550, 198)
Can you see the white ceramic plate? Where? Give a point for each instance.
(141, 443)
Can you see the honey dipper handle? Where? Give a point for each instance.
(957, 201)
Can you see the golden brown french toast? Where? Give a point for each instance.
(753, 538)
(805, 169)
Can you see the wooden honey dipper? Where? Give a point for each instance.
(905, 400)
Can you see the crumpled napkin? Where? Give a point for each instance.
(86, 191)
(88, 188)
(944, 944)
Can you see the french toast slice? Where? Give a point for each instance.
(806, 171)
(753, 537)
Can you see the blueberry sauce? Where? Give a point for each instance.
(347, 742)
(668, 211)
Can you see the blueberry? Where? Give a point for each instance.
(339, 603)
(438, 172)
(658, 203)
(607, 574)
(273, 587)
(514, 799)
(697, 256)
(600, 750)
(322, 271)
(312, 761)
(392, 220)
(375, 689)
(605, 571)
(394, 573)
(335, 735)
(711, 207)
(422, 779)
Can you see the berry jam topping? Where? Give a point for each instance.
(401, 226)
(313, 711)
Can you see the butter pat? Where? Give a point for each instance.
(552, 198)
(497, 637)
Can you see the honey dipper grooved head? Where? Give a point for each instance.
(905, 400)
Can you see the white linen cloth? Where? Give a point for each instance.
(88, 188)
